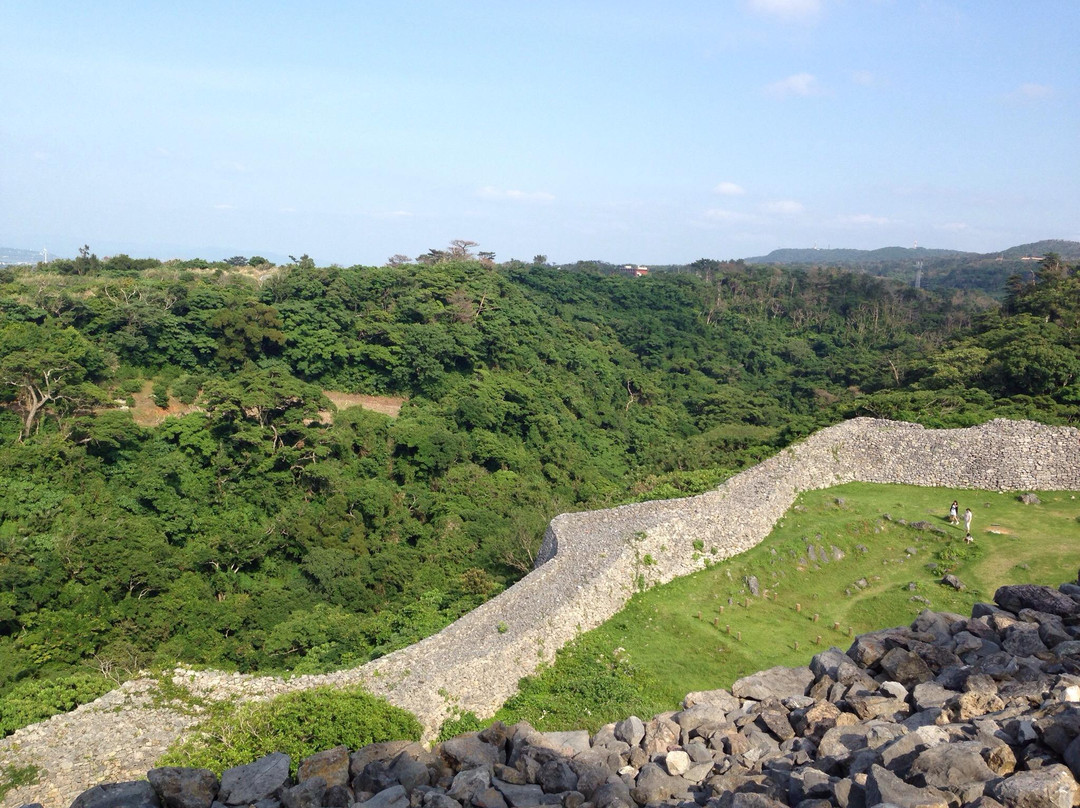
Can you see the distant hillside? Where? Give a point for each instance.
(845, 257)
(13, 255)
(932, 269)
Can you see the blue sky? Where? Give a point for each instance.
(624, 131)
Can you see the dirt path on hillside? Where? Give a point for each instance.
(148, 414)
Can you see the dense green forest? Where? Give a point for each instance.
(262, 531)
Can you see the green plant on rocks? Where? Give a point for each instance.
(298, 724)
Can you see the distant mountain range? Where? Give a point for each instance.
(1069, 250)
(13, 255)
(932, 269)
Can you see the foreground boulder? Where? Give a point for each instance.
(950, 712)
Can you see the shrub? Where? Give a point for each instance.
(459, 725)
(186, 389)
(298, 724)
(161, 394)
(34, 700)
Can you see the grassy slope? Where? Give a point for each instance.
(658, 648)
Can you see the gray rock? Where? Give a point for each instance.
(557, 776)
(776, 683)
(308, 794)
(720, 698)
(410, 772)
(1039, 598)
(468, 783)
(841, 742)
(243, 785)
(332, 766)
(653, 784)
(1030, 499)
(954, 582)
(138, 794)
(753, 585)
(906, 667)
(518, 796)
(385, 751)
(393, 797)
(178, 787)
(570, 742)
(630, 730)
(676, 762)
(468, 750)
(953, 766)
(490, 797)
(1049, 787)
(882, 786)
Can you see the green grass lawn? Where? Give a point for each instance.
(706, 630)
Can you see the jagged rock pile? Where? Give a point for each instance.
(951, 711)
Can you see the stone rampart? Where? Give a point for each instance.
(591, 563)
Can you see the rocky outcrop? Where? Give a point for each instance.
(590, 564)
(940, 713)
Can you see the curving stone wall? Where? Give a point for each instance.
(589, 565)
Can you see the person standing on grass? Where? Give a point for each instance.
(967, 521)
(954, 509)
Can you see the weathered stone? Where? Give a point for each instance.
(385, 751)
(954, 582)
(653, 784)
(557, 776)
(468, 750)
(841, 742)
(490, 797)
(308, 794)
(243, 785)
(630, 730)
(882, 786)
(1040, 598)
(569, 743)
(776, 683)
(179, 787)
(332, 766)
(393, 797)
(1049, 787)
(468, 783)
(138, 794)
(519, 796)
(952, 766)
(906, 667)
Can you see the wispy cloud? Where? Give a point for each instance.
(491, 192)
(223, 206)
(784, 206)
(951, 227)
(787, 10)
(1032, 92)
(729, 189)
(799, 84)
(864, 78)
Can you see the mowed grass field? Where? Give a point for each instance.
(841, 562)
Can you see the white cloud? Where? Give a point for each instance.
(1033, 92)
(223, 206)
(800, 84)
(787, 10)
(951, 227)
(785, 206)
(729, 189)
(863, 77)
(863, 218)
(490, 192)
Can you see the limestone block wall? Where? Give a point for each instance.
(588, 567)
